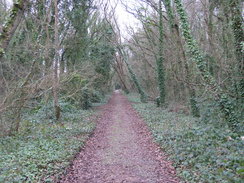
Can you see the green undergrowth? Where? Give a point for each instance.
(44, 148)
(201, 152)
(103, 100)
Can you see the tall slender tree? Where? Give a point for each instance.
(160, 59)
(222, 97)
(237, 27)
(56, 63)
(174, 28)
(143, 95)
(9, 28)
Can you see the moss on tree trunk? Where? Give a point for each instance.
(11, 25)
(160, 59)
(192, 92)
(221, 97)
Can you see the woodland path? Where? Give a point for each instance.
(121, 150)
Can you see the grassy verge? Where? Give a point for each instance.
(43, 148)
(201, 152)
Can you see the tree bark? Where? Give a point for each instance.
(223, 99)
(160, 60)
(16, 15)
(56, 64)
(237, 27)
(142, 93)
(175, 30)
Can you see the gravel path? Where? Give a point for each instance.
(121, 150)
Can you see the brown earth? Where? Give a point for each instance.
(121, 150)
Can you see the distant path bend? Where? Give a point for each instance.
(120, 151)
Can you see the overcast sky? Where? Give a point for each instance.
(124, 18)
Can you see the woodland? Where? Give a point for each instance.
(182, 69)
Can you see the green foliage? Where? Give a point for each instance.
(200, 152)
(77, 48)
(194, 107)
(73, 83)
(211, 113)
(85, 100)
(237, 27)
(192, 44)
(167, 4)
(18, 5)
(197, 56)
(192, 92)
(1, 51)
(42, 151)
(117, 86)
(157, 101)
(211, 64)
(74, 89)
(103, 56)
(143, 95)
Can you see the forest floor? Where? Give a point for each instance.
(120, 150)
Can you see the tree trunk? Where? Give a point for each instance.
(175, 30)
(12, 24)
(160, 59)
(237, 27)
(136, 82)
(143, 95)
(119, 70)
(221, 97)
(47, 43)
(56, 64)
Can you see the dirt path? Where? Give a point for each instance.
(120, 151)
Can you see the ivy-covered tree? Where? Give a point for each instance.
(103, 54)
(11, 24)
(160, 59)
(124, 53)
(56, 63)
(219, 94)
(134, 78)
(81, 18)
(176, 34)
(237, 27)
